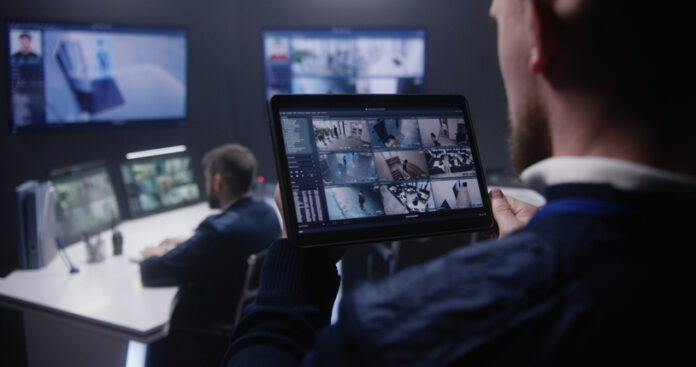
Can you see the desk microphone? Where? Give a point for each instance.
(116, 240)
(64, 256)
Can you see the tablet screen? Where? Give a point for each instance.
(378, 170)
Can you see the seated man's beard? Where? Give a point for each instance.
(530, 141)
(213, 201)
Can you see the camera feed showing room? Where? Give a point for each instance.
(443, 131)
(347, 167)
(340, 134)
(354, 201)
(403, 197)
(449, 162)
(394, 133)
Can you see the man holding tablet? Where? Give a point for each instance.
(597, 124)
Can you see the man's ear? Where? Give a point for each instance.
(542, 18)
(218, 182)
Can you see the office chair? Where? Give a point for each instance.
(251, 282)
(189, 342)
(179, 322)
(194, 343)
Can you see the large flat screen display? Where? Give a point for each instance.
(361, 168)
(66, 76)
(328, 61)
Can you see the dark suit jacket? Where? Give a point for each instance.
(210, 266)
(607, 283)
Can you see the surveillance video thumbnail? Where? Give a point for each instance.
(400, 165)
(390, 57)
(341, 134)
(456, 194)
(449, 162)
(394, 133)
(404, 197)
(322, 85)
(443, 131)
(370, 85)
(323, 56)
(346, 168)
(354, 201)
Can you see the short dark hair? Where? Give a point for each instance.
(27, 35)
(235, 163)
(633, 52)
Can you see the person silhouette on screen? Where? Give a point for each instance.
(278, 52)
(434, 140)
(25, 52)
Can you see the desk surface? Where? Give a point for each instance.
(108, 293)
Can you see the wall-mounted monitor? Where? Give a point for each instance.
(158, 180)
(66, 76)
(328, 61)
(85, 202)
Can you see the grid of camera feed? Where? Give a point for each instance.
(391, 166)
(84, 203)
(160, 182)
(344, 61)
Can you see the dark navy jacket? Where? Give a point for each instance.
(571, 288)
(210, 266)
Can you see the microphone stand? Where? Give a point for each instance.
(64, 256)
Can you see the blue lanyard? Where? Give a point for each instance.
(580, 206)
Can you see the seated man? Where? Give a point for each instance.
(210, 265)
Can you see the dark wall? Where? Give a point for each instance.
(226, 78)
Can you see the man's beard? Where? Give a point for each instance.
(530, 141)
(213, 200)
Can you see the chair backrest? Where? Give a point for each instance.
(179, 318)
(251, 282)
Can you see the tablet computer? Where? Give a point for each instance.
(370, 168)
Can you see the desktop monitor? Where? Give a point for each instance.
(339, 61)
(67, 76)
(160, 182)
(85, 202)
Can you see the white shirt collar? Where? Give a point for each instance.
(621, 174)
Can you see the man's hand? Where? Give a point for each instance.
(335, 253)
(510, 214)
(171, 242)
(279, 204)
(151, 251)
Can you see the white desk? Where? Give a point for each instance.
(89, 318)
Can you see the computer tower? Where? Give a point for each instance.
(37, 224)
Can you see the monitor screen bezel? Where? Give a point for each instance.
(97, 125)
(386, 232)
